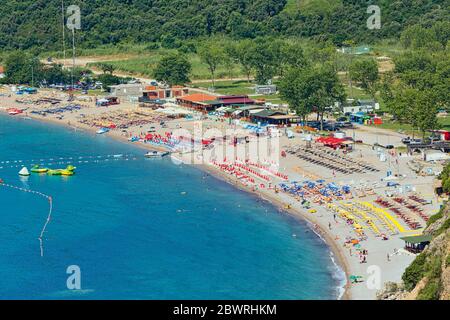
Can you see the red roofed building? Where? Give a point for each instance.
(197, 101)
(2, 72)
(205, 102)
(230, 100)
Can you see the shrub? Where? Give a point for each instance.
(414, 272)
(152, 46)
(433, 267)
(443, 228)
(430, 291)
(435, 217)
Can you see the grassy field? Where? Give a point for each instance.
(408, 129)
(228, 87)
(145, 64)
(106, 50)
(142, 59)
(390, 48)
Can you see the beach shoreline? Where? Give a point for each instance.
(341, 262)
(333, 232)
(321, 232)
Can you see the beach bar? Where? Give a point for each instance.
(273, 117)
(198, 101)
(206, 103)
(416, 244)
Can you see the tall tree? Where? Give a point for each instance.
(366, 73)
(173, 69)
(212, 53)
(294, 90)
(266, 59)
(20, 68)
(327, 90)
(107, 68)
(243, 53)
(441, 32)
(412, 106)
(293, 56)
(312, 88)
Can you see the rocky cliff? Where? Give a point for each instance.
(428, 277)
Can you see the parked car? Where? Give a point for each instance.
(408, 140)
(388, 147)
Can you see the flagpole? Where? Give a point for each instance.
(63, 31)
(73, 56)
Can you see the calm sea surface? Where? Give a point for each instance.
(143, 229)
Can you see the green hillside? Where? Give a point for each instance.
(28, 24)
(311, 7)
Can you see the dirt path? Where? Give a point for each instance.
(84, 61)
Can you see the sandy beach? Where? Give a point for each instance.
(378, 256)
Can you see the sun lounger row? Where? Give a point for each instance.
(330, 160)
(411, 222)
(68, 108)
(380, 218)
(414, 208)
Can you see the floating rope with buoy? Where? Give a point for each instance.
(69, 160)
(49, 216)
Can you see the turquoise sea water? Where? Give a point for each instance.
(145, 229)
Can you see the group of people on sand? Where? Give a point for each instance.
(363, 256)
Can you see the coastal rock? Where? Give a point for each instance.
(392, 291)
(434, 270)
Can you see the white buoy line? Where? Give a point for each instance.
(68, 160)
(57, 161)
(49, 216)
(116, 156)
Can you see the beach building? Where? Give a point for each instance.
(235, 100)
(107, 101)
(154, 93)
(365, 106)
(206, 103)
(359, 117)
(240, 111)
(266, 89)
(435, 155)
(360, 50)
(443, 135)
(130, 91)
(2, 72)
(268, 117)
(416, 244)
(197, 101)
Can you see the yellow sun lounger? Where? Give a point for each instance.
(385, 214)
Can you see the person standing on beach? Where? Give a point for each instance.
(388, 257)
(329, 225)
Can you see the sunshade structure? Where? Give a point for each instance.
(331, 141)
(416, 244)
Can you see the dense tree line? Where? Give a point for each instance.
(418, 88)
(37, 23)
(25, 69)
